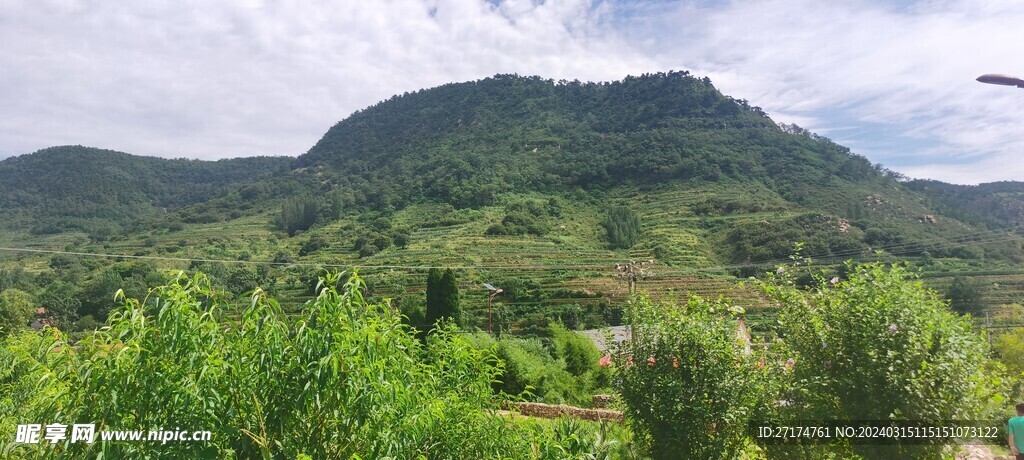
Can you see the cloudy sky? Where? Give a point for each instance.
(187, 78)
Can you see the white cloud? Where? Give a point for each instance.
(906, 74)
(222, 79)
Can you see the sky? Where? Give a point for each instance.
(892, 80)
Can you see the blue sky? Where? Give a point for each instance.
(892, 80)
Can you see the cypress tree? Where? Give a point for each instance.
(434, 307)
(450, 297)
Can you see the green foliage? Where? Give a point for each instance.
(61, 303)
(298, 214)
(313, 244)
(578, 351)
(964, 296)
(522, 218)
(15, 278)
(773, 239)
(443, 297)
(1009, 350)
(688, 383)
(101, 192)
(17, 308)
(622, 226)
(344, 380)
(879, 346)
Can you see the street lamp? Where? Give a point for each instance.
(494, 291)
(997, 79)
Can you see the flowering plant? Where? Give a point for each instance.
(699, 385)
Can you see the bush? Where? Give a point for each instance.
(578, 351)
(313, 244)
(16, 310)
(964, 296)
(879, 346)
(688, 384)
(344, 380)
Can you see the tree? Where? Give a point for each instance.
(433, 297)
(298, 214)
(690, 387)
(879, 346)
(61, 304)
(442, 297)
(623, 227)
(450, 297)
(16, 310)
(964, 296)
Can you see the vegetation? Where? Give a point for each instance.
(964, 296)
(16, 311)
(623, 227)
(563, 370)
(689, 385)
(346, 379)
(878, 346)
(442, 298)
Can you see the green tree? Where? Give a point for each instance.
(880, 346)
(689, 385)
(16, 310)
(579, 352)
(434, 310)
(442, 297)
(450, 297)
(964, 296)
(61, 303)
(623, 227)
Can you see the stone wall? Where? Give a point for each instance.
(554, 411)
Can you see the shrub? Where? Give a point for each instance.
(688, 384)
(578, 351)
(879, 346)
(313, 244)
(964, 296)
(343, 380)
(16, 310)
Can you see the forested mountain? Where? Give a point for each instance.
(996, 204)
(465, 143)
(514, 171)
(81, 188)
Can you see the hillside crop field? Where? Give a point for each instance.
(654, 202)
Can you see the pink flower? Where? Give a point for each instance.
(790, 363)
(650, 361)
(760, 364)
(605, 361)
(893, 329)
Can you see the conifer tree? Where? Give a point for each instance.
(433, 312)
(450, 297)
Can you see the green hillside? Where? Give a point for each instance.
(510, 180)
(98, 191)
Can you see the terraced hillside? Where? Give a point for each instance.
(509, 180)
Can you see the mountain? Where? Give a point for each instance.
(518, 181)
(81, 188)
